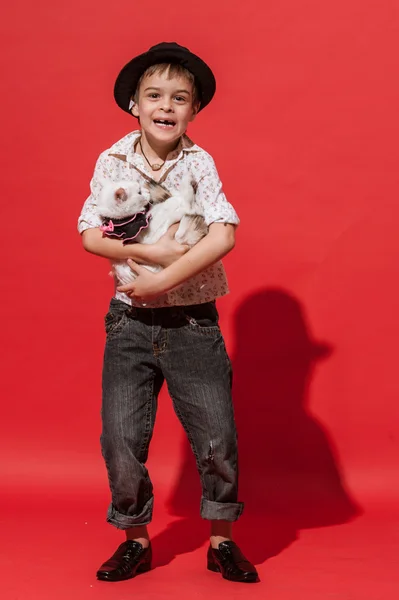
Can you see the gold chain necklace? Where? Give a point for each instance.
(154, 167)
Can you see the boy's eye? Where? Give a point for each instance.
(156, 95)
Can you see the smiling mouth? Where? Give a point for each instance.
(164, 122)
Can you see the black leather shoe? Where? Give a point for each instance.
(231, 563)
(129, 560)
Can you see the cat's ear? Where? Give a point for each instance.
(187, 188)
(157, 192)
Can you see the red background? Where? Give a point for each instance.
(304, 131)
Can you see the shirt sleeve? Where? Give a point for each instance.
(209, 193)
(89, 216)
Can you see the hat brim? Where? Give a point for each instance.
(127, 80)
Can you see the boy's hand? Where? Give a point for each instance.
(167, 250)
(146, 286)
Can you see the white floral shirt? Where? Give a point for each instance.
(121, 162)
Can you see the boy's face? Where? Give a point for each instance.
(165, 106)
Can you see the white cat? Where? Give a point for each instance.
(129, 216)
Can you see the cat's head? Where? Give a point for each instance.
(119, 199)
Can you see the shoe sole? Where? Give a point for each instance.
(249, 579)
(139, 571)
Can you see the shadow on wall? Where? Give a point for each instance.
(289, 478)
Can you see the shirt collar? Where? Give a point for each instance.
(185, 145)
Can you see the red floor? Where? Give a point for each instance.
(51, 547)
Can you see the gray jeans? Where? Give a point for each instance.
(184, 346)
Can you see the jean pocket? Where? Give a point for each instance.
(114, 322)
(203, 318)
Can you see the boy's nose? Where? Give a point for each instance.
(166, 105)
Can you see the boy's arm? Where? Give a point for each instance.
(164, 252)
(94, 242)
(221, 218)
(214, 246)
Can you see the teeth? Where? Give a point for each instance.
(164, 122)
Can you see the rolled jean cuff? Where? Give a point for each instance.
(223, 511)
(122, 521)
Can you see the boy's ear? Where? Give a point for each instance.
(195, 112)
(134, 109)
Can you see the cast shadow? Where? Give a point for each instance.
(289, 476)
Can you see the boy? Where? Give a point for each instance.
(164, 326)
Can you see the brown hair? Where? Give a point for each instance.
(171, 70)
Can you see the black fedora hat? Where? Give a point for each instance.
(166, 52)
